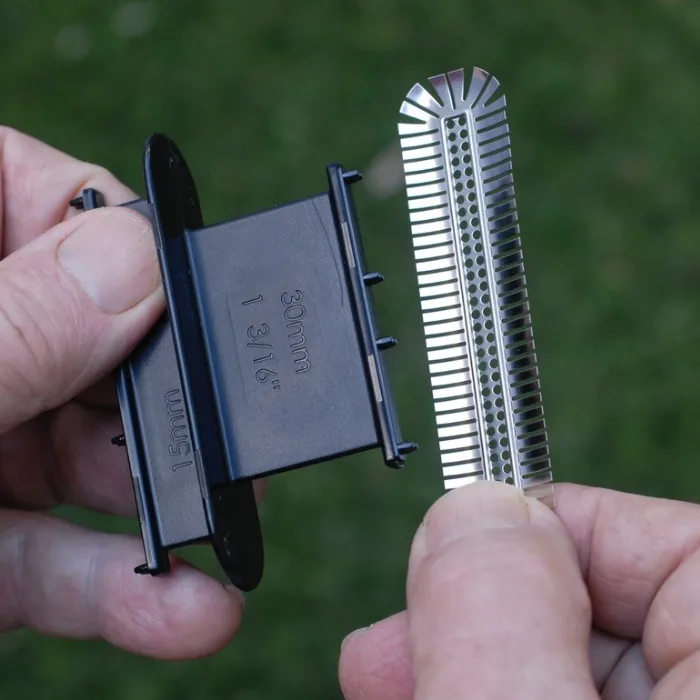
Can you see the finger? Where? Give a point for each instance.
(496, 603)
(90, 471)
(630, 679)
(681, 683)
(73, 304)
(25, 464)
(68, 457)
(59, 579)
(606, 652)
(375, 662)
(37, 183)
(638, 546)
(627, 546)
(640, 557)
(672, 628)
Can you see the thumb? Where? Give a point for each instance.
(73, 303)
(497, 607)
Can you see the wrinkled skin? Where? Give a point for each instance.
(508, 600)
(505, 599)
(77, 293)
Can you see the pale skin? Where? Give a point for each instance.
(77, 292)
(505, 599)
(508, 600)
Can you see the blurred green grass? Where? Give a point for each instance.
(603, 101)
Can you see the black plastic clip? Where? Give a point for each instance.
(268, 359)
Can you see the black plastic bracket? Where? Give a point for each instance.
(268, 359)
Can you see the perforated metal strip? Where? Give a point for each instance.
(481, 354)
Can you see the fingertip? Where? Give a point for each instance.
(69, 582)
(207, 613)
(182, 615)
(375, 662)
(350, 663)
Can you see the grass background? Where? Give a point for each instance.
(604, 100)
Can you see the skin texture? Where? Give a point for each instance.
(77, 293)
(504, 597)
(507, 599)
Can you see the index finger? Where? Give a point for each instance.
(628, 546)
(640, 557)
(37, 183)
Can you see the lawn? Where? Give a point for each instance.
(604, 100)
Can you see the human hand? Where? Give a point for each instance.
(507, 600)
(77, 293)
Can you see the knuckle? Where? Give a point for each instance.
(18, 579)
(35, 329)
(24, 337)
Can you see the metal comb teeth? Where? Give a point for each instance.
(481, 352)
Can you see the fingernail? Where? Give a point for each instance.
(353, 635)
(112, 256)
(477, 507)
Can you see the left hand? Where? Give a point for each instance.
(78, 291)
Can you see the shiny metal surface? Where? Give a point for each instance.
(461, 201)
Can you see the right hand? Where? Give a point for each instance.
(508, 601)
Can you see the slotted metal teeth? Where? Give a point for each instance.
(461, 202)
